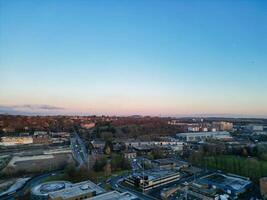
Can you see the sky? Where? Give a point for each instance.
(124, 57)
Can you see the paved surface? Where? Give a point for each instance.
(20, 192)
(135, 165)
(16, 186)
(79, 150)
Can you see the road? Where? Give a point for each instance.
(79, 150)
(135, 165)
(20, 192)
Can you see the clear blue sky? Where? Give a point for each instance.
(134, 57)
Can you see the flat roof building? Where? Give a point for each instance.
(42, 191)
(12, 141)
(169, 163)
(202, 136)
(80, 190)
(115, 195)
(231, 184)
(223, 126)
(151, 179)
(129, 154)
(254, 127)
(63, 190)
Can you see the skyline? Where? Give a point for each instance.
(175, 58)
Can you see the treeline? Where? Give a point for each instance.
(109, 131)
(102, 168)
(219, 148)
(248, 167)
(116, 163)
(249, 161)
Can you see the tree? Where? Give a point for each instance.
(126, 164)
(107, 169)
(244, 152)
(100, 164)
(157, 153)
(108, 147)
(118, 162)
(90, 146)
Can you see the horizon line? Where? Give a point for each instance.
(231, 116)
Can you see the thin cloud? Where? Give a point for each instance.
(28, 109)
(38, 107)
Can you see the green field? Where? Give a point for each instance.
(249, 167)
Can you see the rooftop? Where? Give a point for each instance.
(77, 189)
(164, 161)
(46, 188)
(65, 189)
(114, 195)
(203, 133)
(232, 182)
(154, 174)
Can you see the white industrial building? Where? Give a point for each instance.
(254, 127)
(12, 141)
(202, 136)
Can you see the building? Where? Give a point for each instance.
(175, 122)
(115, 195)
(98, 144)
(151, 179)
(254, 127)
(162, 142)
(230, 184)
(165, 193)
(202, 136)
(88, 125)
(197, 191)
(137, 143)
(129, 154)
(263, 187)
(260, 133)
(8, 130)
(215, 186)
(177, 147)
(11, 141)
(193, 129)
(42, 191)
(41, 139)
(169, 163)
(40, 133)
(60, 134)
(62, 190)
(204, 129)
(223, 126)
(142, 150)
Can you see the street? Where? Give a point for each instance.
(20, 192)
(79, 150)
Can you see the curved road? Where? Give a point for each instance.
(19, 193)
